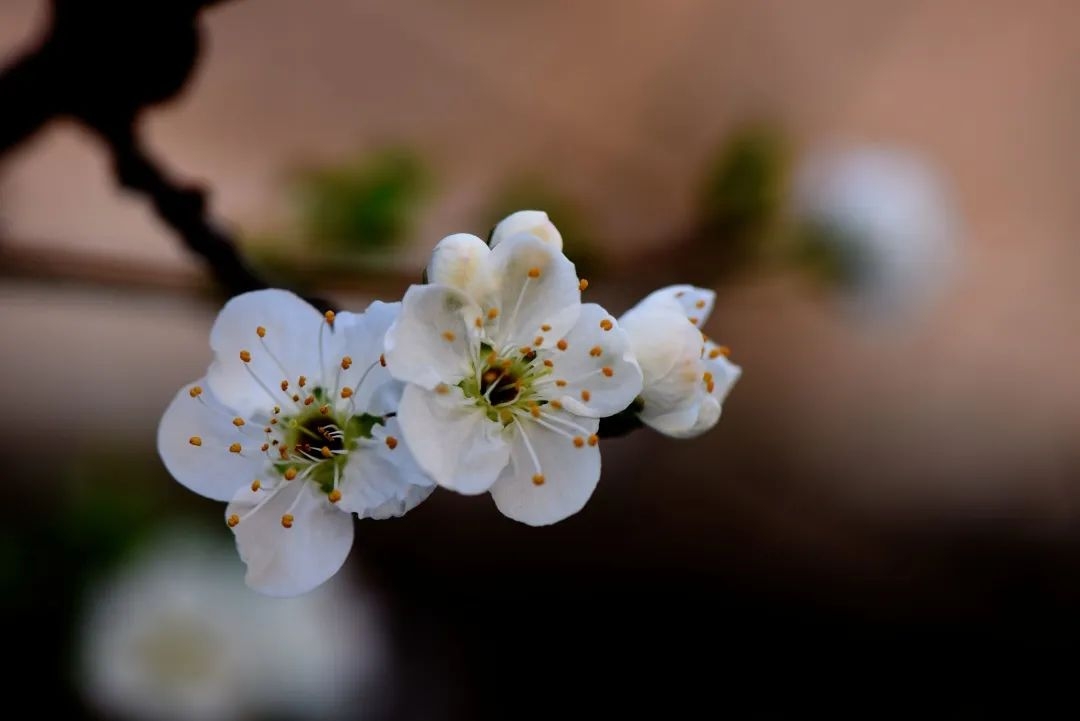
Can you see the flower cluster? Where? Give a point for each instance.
(492, 376)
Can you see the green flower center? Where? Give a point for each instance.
(503, 384)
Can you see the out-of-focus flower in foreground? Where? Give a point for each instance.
(293, 425)
(880, 222)
(175, 636)
(507, 374)
(687, 376)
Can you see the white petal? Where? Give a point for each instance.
(531, 222)
(209, 468)
(696, 303)
(289, 349)
(430, 342)
(725, 374)
(463, 262)
(361, 337)
(452, 439)
(669, 350)
(538, 286)
(555, 483)
(584, 373)
(290, 561)
(380, 481)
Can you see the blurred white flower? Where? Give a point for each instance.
(293, 424)
(884, 217)
(507, 374)
(176, 636)
(687, 377)
(531, 222)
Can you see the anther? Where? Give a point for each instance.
(534, 272)
(233, 520)
(265, 447)
(391, 442)
(261, 331)
(195, 441)
(535, 410)
(694, 319)
(492, 313)
(324, 409)
(557, 405)
(545, 327)
(561, 383)
(525, 350)
(284, 385)
(329, 315)
(277, 409)
(307, 401)
(583, 284)
(334, 496)
(710, 386)
(507, 362)
(326, 452)
(238, 421)
(382, 360)
(594, 439)
(283, 451)
(538, 479)
(256, 485)
(195, 391)
(608, 371)
(346, 363)
(490, 376)
(301, 381)
(235, 448)
(700, 304)
(707, 377)
(442, 389)
(585, 395)
(449, 336)
(596, 351)
(290, 473)
(538, 340)
(287, 519)
(479, 322)
(273, 421)
(346, 392)
(245, 356)
(561, 345)
(606, 324)
(722, 350)
(578, 441)
(549, 363)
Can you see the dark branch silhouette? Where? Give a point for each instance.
(102, 64)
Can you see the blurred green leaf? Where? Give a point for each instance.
(365, 205)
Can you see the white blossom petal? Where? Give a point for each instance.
(531, 222)
(550, 476)
(594, 373)
(360, 337)
(289, 561)
(669, 350)
(194, 440)
(382, 479)
(289, 348)
(452, 439)
(430, 341)
(463, 262)
(538, 287)
(696, 303)
(724, 374)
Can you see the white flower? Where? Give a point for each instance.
(886, 216)
(531, 222)
(175, 636)
(508, 373)
(687, 376)
(293, 424)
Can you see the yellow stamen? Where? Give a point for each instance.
(561, 345)
(329, 315)
(238, 421)
(585, 395)
(594, 439)
(557, 405)
(346, 392)
(694, 319)
(326, 452)
(561, 383)
(284, 385)
(608, 371)
(382, 360)
(301, 381)
(307, 401)
(549, 363)
(265, 447)
(538, 340)
(325, 410)
(583, 284)
(233, 520)
(545, 327)
(261, 331)
(287, 519)
(579, 441)
(391, 442)
(346, 363)
(492, 313)
(479, 322)
(596, 351)
(442, 389)
(195, 391)
(606, 324)
(256, 485)
(534, 272)
(195, 441)
(235, 448)
(334, 496)
(290, 473)
(699, 304)
(538, 479)
(245, 356)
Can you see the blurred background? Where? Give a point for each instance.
(883, 195)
